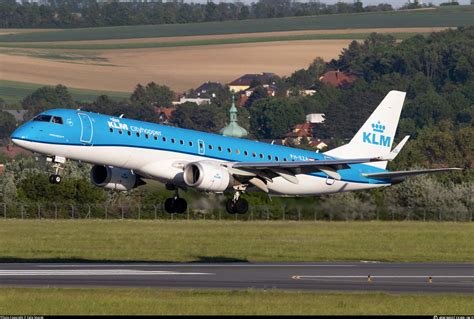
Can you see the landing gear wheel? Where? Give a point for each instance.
(169, 205)
(241, 206)
(180, 205)
(175, 205)
(229, 206)
(55, 179)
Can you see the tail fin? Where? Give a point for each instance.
(375, 137)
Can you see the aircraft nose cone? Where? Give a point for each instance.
(21, 133)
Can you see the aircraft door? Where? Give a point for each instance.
(201, 147)
(87, 130)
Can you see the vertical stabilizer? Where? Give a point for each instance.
(375, 137)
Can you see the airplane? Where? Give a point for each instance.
(124, 152)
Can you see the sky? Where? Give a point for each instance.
(395, 3)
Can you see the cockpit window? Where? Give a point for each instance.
(57, 120)
(42, 118)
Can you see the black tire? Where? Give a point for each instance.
(57, 179)
(169, 206)
(51, 179)
(241, 206)
(180, 205)
(229, 206)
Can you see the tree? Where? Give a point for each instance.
(207, 118)
(152, 95)
(7, 124)
(274, 117)
(47, 97)
(259, 93)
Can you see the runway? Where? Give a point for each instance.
(362, 276)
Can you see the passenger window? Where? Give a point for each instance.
(181, 142)
(146, 135)
(120, 132)
(57, 120)
(210, 147)
(254, 155)
(155, 137)
(246, 153)
(111, 130)
(261, 155)
(269, 157)
(138, 134)
(284, 159)
(237, 151)
(129, 133)
(190, 143)
(219, 148)
(276, 158)
(229, 150)
(164, 139)
(172, 140)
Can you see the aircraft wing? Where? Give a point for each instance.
(400, 175)
(288, 170)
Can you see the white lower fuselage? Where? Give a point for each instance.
(164, 166)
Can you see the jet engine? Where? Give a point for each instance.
(207, 176)
(114, 178)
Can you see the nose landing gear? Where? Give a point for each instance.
(57, 163)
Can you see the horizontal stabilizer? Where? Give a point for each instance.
(400, 175)
(391, 156)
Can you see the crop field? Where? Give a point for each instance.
(439, 17)
(118, 301)
(183, 56)
(216, 40)
(13, 92)
(194, 241)
(181, 68)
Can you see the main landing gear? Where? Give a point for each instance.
(57, 163)
(237, 205)
(175, 204)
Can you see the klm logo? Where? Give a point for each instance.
(115, 124)
(376, 137)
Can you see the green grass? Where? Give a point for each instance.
(118, 301)
(13, 92)
(70, 46)
(184, 241)
(439, 17)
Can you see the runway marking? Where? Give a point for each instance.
(95, 272)
(427, 276)
(192, 266)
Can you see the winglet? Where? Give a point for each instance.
(391, 156)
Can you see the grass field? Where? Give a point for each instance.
(13, 92)
(185, 241)
(439, 17)
(65, 301)
(190, 43)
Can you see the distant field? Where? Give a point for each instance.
(80, 45)
(181, 68)
(439, 17)
(14, 92)
(120, 301)
(188, 241)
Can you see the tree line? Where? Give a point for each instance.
(436, 71)
(90, 13)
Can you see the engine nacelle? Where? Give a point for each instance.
(207, 176)
(114, 178)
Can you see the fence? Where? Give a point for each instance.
(260, 212)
